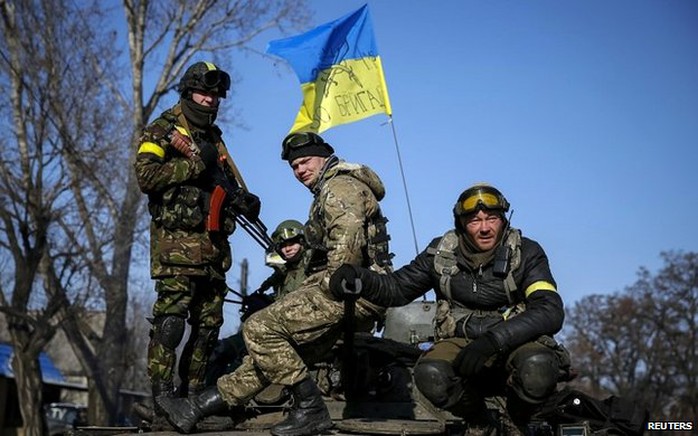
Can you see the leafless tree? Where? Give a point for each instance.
(69, 205)
(641, 343)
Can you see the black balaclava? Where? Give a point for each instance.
(199, 116)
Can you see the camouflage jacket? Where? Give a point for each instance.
(286, 278)
(346, 201)
(178, 190)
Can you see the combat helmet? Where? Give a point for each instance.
(481, 196)
(286, 231)
(206, 77)
(300, 144)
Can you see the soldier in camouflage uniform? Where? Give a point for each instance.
(180, 160)
(290, 244)
(345, 226)
(288, 261)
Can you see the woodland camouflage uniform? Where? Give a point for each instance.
(187, 262)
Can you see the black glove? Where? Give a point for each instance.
(254, 302)
(247, 204)
(208, 154)
(343, 283)
(472, 358)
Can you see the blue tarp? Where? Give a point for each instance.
(49, 372)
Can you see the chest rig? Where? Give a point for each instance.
(446, 264)
(376, 253)
(452, 317)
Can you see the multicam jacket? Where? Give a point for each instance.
(178, 190)
(344, 221)
(286, 278)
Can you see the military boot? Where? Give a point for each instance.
(308, 414)
(184, 413)
(161, 390)
(211, 422)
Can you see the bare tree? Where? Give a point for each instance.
(69, 202)
(38, 166)
(641, 343)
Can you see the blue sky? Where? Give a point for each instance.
(584, 113)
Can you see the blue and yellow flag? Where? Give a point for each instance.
(340, 72)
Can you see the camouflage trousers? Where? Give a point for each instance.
(281, 339)
(199, 300)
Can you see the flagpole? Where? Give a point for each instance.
(404, 183)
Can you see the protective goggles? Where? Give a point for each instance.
(481, 197)
(216, 79)
(286, 234)
(298, 140)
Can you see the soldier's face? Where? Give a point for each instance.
(208, 99)
(290, 250)
(484, 228)
(307, 169)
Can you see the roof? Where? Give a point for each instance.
(49, 372)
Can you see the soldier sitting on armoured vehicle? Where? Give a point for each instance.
(345, 226)
(498, 308)
(288, 260)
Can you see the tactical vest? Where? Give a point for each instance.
(451, 316)
(376, 254)
(185, 207)
(446, 265)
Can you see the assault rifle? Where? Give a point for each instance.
(245, 206)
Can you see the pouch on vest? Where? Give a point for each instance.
(377, 247)
(182, 208)
(181, 249)
(444, 321)
(613, 415)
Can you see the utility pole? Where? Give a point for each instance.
(244, 271)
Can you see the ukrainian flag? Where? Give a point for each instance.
(340, 72)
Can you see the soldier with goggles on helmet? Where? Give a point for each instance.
(180, 162)
(497, 311)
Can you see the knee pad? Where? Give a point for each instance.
(205, 339)
(168, 331)
(535, 375)
(437, 381)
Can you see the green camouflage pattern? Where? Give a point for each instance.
(177, 191)
(303, 325)
(201, 300)
(187, 262)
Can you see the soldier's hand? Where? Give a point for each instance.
(472, 358)
(209, 155)
(182, 144)
(254, 302)
(247, 204)
(343, 283)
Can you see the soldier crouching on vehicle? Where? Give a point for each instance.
(498, 308)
